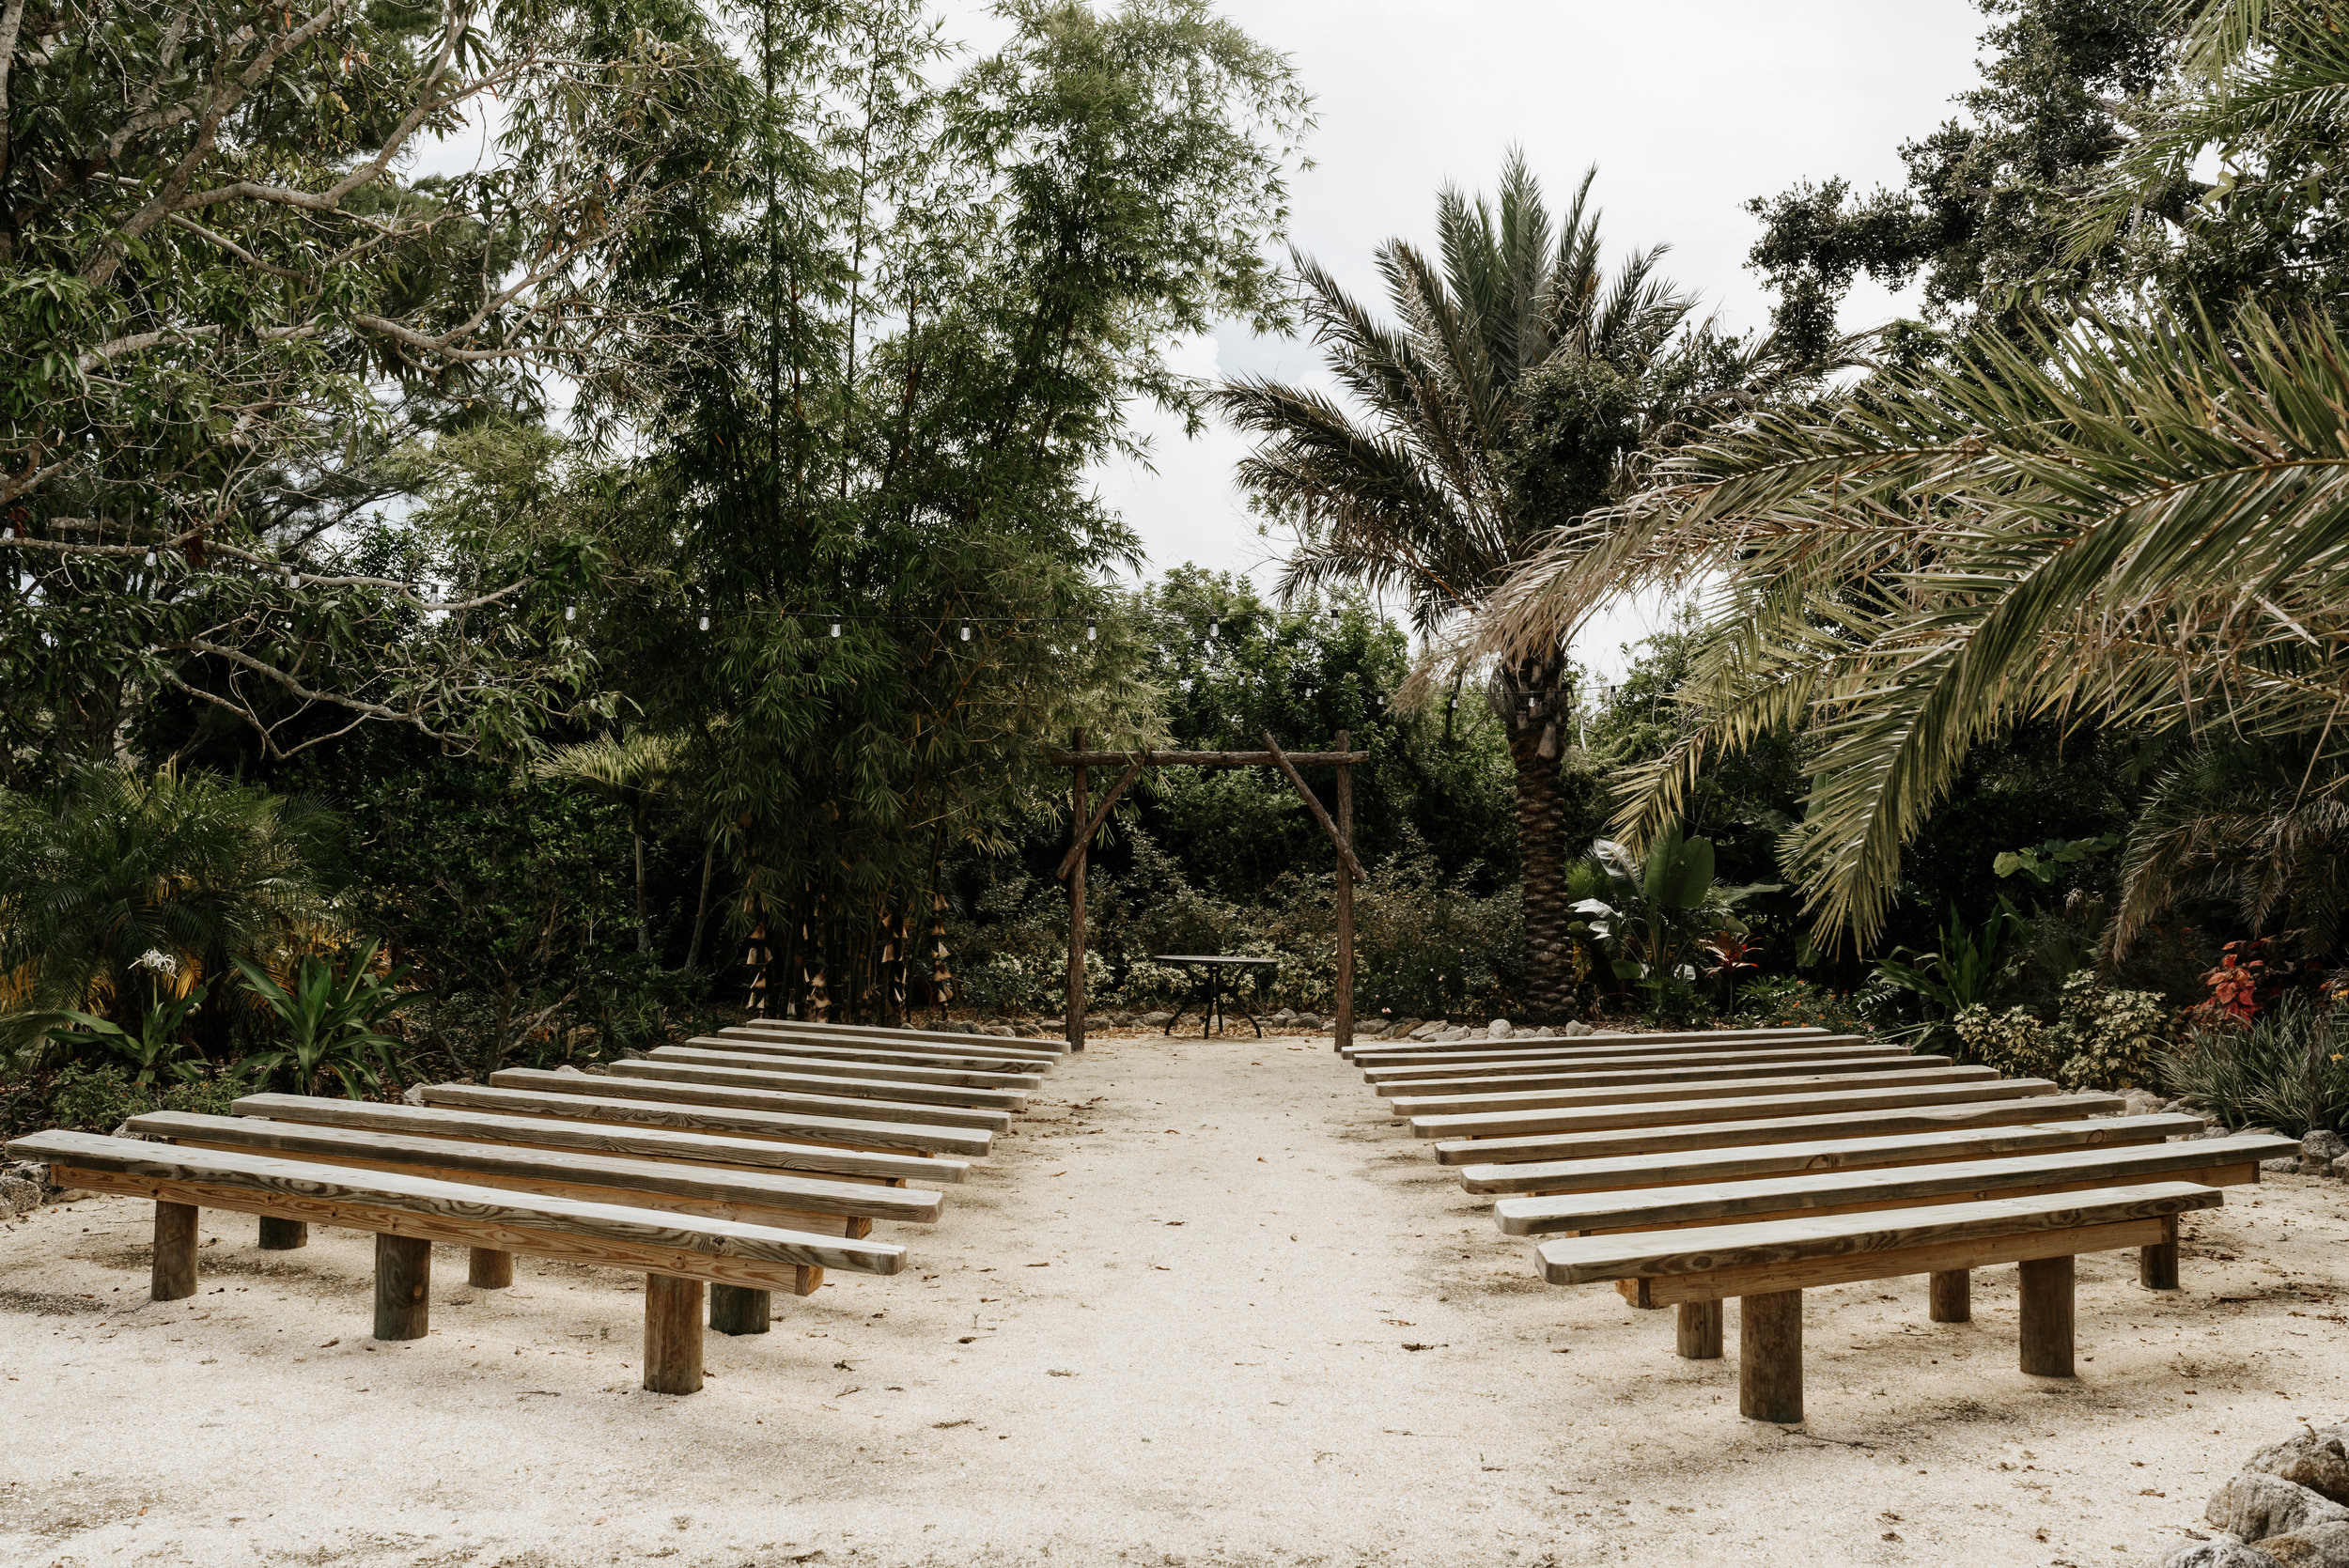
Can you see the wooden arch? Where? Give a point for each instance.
(1088, 818)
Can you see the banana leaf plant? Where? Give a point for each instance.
(1968, 968)
(155, 1050)
(329, 1022)
(1661, 910)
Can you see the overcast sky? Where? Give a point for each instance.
(1689, 108)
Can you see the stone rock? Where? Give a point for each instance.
(124, 1131)
(28, 1171)
(2318, 1151)
(1429, 1030)
(17, 1195)
(1026, 1032)
(2223, 1551)
(567, 1067)
(1401, 1027)
(414, 1094)
(2283, 1165)
(2174, 1106)
(1159, 1020)
(2140, 1102)
(2256, 1505)
(2341, 1168)
(1575, 1029)
(2318, 1547)
(1308, 1020)
(1499, 1029)
(2317, 1459)
(1283, 1016)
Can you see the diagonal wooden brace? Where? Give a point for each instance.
(1068, 861)
(1346, 851)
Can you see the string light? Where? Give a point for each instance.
(150, 557)
(835, 626)
(966, 631)
(704, 620)
(1211, 626)
(7, 533)
(1093, 630)
(571, 613)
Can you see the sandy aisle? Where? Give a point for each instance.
(1208, 1307)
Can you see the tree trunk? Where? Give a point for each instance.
(1530, 697)
(644, 916)
(701, 909)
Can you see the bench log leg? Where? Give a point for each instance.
(403, 1287)
(2048, 1317)
(673, 1334)
(2157, 1265)
(1949, 1295)
(807, 1278)
(1769, 1356)
(283, 1235)
(739, 1309)
(487, 1269)
(1700, 1331)
(173, 1275)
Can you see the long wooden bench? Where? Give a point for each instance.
(1794, 1123)
(1759, 1161)
(1755, 1103)
(918, 1102)
(1578, 1051)
(604, 1137)
(846, 1071)
(1768, 1265)
(679, 1253)
(1532, 1089)
(897, 1056)
(1473, 1072)
(700, 1088)
(760, 1197)
(1601, 1039)
(748, 1112)
(796, 1029)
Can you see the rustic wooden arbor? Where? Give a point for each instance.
(1089, 817)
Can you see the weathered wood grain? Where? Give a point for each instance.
(2046, 1291)
(1756, 1161)
(835, 1096)
(1860, 1240)
(2211, 1162)
(1949, 1295)
(460, 1214)
(1645, 1090)
(754, 1195)
(1699, 1331)
(701, 1105)
(2157, 1261)
(283, 1235)
(403, 1287)
(1695, 1039)
(821, 1067)
(876, 1035)
(736, 1311)
(1653, 1113)
(621, 1138)
(1725, 1134)
(171, 1275)
(1770, 1357)
(978, 1058)
(673, 1334)
(487, 1269)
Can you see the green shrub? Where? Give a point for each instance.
(101, 1099)
(2289, 1069)
(1784, 1002)
(2104, 1038)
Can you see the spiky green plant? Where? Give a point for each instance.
(329, 1022)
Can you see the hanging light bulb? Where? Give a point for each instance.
(835, 626)
(150, 557)
(293, 578)
(704, 620)
(570, 612)
(966, 631)
(1211, 627)
(7, 533)
(1093, 630)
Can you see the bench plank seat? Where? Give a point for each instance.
(1535, 1089)
(1498, 1053)
(1757, 1106)
(949, 1077)
(1604, 1040)
(724, 1252)
(761, 1197)
(895, 1056)
(703, 1148)
(708, 1085)
(1794, 1124)
(906, 1101)
(1708, 1263)
(670, 1105)
(2206, 1162)
(1470, 1072)
(797, 1029)
(1754, 1162)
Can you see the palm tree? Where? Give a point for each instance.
(636, 770)
(1517, 390)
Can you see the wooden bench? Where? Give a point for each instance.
(1501, 1055)
(1601, 1038)
(1473, 1072)
(1789, 1098)
(648, 1080)
(577, 1097)
(679, 1253)
(1768, 1265)
(656, 1143)
(794, 1029)
(760, 1197)
(1755, 1162)
(830, 1094)
(901, 1056)
(848, 1072)
(1471, 1092)
(1794, 1123)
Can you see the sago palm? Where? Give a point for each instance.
(1514, 391)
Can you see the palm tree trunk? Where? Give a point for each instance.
(644, 918)
(1530, 695)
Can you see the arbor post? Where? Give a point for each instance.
(1080, 800)
(1342, 1023)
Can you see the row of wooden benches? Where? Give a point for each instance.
(1689, 1168)
(743, 1163)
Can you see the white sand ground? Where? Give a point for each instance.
(1208, 1307)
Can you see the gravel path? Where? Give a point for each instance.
(1209, 1306)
